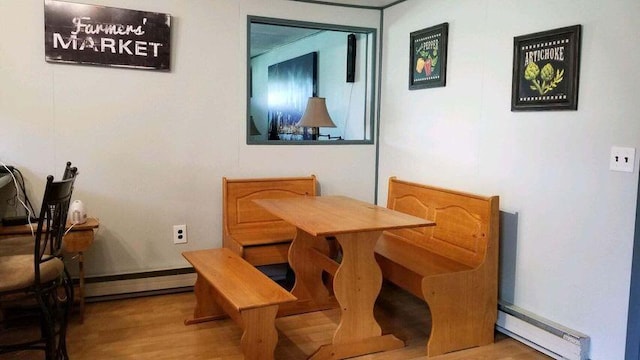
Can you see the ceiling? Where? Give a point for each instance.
(267, 37)
(368, 3)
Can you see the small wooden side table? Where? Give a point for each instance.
(78, 240)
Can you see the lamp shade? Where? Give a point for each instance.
(316, 114)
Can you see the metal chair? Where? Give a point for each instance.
(69, 171)
(42, 275)
(23, 244)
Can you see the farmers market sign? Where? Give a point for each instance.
(546, 69)
(100, 35)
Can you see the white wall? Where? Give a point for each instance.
(152, 147)
(576, 218)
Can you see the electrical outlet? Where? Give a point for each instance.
(622, 159)
(179, 234)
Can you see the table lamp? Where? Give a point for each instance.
(316, 116)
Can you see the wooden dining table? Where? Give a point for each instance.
(357, 278)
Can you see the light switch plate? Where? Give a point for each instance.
(622, 158)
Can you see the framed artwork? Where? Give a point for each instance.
(428, 57)
(546, 70)
(106, 36)
(290, 84)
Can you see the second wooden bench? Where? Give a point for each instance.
(453, 266)
(249, 230)
(228, 285)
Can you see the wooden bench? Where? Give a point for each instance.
(452, 266)
(249, 230)
(228, 285)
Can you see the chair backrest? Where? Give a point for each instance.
(466, 224)
(52, 220)
(69, 171)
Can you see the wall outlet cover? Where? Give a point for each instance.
(622, 159)
(179, 234)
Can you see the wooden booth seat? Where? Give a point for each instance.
(452, 266)
(226, 285)
(248, 229)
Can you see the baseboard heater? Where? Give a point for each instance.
(544, 335)
(131, 285)
(152, 282)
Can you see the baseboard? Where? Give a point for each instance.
(138, 285)
(548, 337)
(153, 282)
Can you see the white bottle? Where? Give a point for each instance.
(77, 212)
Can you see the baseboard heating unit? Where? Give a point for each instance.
(153, 282)
(541, 334)
(123, 286)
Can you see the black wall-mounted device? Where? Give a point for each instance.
(351, 58)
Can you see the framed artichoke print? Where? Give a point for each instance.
(428, 57)
(546, 69)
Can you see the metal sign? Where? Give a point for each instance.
(100, 35)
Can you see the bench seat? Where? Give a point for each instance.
(227, 285)
(417, 259)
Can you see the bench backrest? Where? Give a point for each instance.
(466, 224)
(241, 215)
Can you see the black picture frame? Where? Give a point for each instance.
(546, 70)
(428, 57)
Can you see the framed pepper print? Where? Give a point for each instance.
(546, 69)
(428, 57)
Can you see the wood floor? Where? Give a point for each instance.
(152, 328)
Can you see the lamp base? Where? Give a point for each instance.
(311, 133)
(329, 137)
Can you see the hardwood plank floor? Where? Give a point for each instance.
(152, 328)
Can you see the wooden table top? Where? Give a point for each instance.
(91, 223)
(332, 215)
